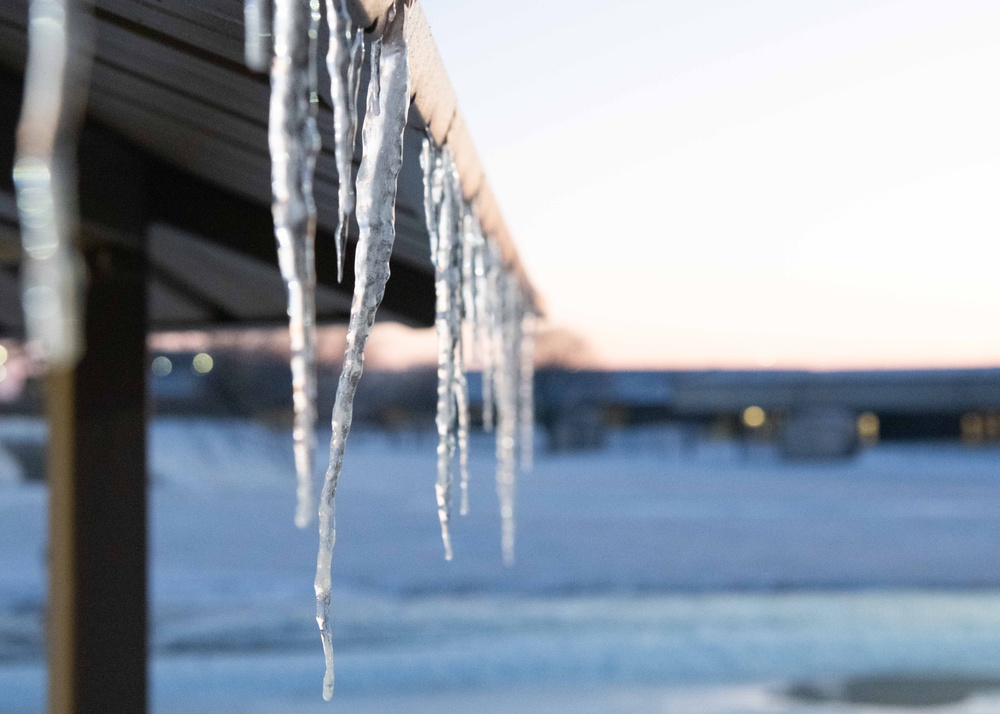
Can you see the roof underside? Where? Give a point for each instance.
(170, 91)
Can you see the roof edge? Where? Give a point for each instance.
(435, 101)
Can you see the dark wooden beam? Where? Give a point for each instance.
(97, 466)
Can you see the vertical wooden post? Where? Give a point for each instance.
(97, 463)
(97, 520)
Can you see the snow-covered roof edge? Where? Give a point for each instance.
(434, 98)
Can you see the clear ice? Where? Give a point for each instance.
(44, 179)
(295, 143)
(526, 389)
(507, 382)
(382, 157)
(487, 275)
(256, 34)
(471, 243)
(437, 212)
(447, 219)
(458, 311)
(343, 60)
(479, 297)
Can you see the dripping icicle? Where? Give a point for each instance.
(506, 383)
(294, 142)
(382, 158)
(445, 212)
(343, 60)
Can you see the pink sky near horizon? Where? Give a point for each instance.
(768, 184)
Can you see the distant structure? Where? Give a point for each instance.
(809, 414)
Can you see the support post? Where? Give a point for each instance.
(97, 518)
(97, 469)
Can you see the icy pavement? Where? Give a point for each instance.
(698, 582)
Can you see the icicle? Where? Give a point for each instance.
(381, 160)
(472, 283)
(447, 413)
(294, 142)
(526, 391)
(343, 61)
(459, 308)
(477, 297)
(507, 368)
(432, 164)
(256, 34)
(470, 246)
(438, 205)
(374, 83)
(44, 179)
(445, 240)
(462, 405)
(490, 290)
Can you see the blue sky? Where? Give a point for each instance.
(769, 182)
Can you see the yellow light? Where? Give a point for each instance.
(202, 363)
(3, 354)
(972, 427)
(754, 417)
(992, 423)
(868, 426)
(162, 366)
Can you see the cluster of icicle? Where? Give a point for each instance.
(294, 142)
(45, 178)
(476, 292)
(382, 137)
(480, 299)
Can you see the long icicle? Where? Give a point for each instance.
(442, 243)
(458, 310)
(45, 176)
(294, 142)
(343, 60)
(462, 406)
(526, 389)
(481, 330)
(381, 160)
(470, 247)
(507, 368)
(491, 333)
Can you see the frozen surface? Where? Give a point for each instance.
(655, 575)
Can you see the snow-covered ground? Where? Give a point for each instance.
(649, 578)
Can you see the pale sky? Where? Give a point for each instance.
(741, 183)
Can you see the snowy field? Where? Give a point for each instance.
(717, 580)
